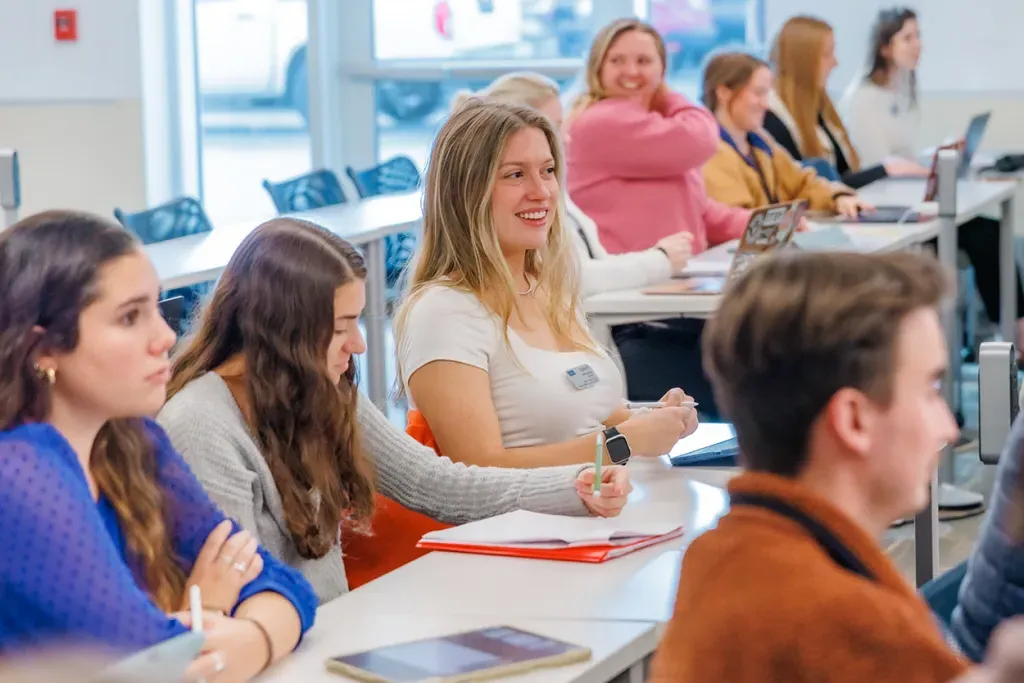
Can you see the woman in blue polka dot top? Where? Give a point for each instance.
(103, 527)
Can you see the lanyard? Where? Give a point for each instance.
(751, 161)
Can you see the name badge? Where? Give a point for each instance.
(582, 376)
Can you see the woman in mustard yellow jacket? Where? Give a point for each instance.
(749, 169)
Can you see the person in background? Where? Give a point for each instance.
(881, 107)
(992, 590)
(658, 355)
(264, 407)
(801, 115)
(600, 271)
(796, 46)
(634, 148)
(103, 527)
(827, 468)
(493, 349)
(750, 169)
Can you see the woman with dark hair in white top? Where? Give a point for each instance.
(881, 108)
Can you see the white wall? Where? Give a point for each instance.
(967, 66)
(74, 110)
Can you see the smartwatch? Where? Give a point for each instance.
(618, 447)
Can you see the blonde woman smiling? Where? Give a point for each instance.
(658, 355)
(493, 349)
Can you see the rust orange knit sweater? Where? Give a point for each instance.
(760, 601)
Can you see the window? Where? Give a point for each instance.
(433, 48)
(253, 95)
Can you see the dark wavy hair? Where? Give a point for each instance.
(49, 273)
(888, 23)
(274, 304)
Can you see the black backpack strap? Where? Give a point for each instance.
(839, 553)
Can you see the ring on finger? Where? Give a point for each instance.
(240, 567)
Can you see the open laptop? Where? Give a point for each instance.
(967, 148)
(905, 214)
(972, 142)
(770, 228)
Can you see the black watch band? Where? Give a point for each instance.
(618, 447)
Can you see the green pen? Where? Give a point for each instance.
(598, 461)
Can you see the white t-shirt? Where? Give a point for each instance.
(882, 122)
(535, 401)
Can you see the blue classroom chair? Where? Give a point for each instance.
(312, 190)
(398, 174)
(179, 217)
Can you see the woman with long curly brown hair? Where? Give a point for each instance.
(264, 406)
(103, 527)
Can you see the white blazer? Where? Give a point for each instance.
(604, 272)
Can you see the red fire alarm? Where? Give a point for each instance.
(65, 24)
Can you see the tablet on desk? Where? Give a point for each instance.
(473, 655)
(712, 445)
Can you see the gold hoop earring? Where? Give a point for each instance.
(49, 374)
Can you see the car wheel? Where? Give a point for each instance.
(298, 85)
(408, 101)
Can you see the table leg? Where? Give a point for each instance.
(375, 319)
(926, 535)
(1007, 273)
(951, 330)
(926, 523)
(637, 673)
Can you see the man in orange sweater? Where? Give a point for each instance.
(829, 367)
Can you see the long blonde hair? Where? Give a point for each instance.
(520, 87)
(603, 41)
(796, 58)
(460, 246)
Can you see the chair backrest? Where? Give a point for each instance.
(942, 592)
(173, 311)
(398, 174)
(310, 191)
(416, 426)
(177, 218)
(823, 168)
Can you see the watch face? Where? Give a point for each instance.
(618, 449)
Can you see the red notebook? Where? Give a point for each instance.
(555, 537)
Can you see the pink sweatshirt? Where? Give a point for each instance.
(637, 174)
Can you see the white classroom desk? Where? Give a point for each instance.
(639, 587)
(609, 309)
(198, 258)
(616, 647)
(442, 592)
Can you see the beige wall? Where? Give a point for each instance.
(86, 156)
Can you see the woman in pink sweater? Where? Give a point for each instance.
(634, 148)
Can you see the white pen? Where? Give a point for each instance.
(640, 405)
(195, 601)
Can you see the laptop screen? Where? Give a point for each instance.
(972, 140)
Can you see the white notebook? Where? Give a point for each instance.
(522, 527)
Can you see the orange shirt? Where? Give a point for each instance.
(760, 600)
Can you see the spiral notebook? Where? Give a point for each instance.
(558, 537)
